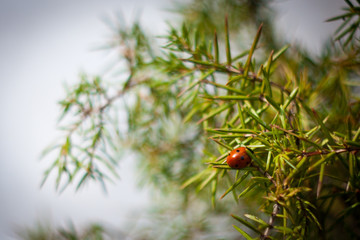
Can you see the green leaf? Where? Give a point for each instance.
(194, 178)
(254, 116)
(231, 89)
(296, 169)
(320, 182)
(244, 53)
(207, 64)
(339, 17)
(255, 158)
(223, 167)
(299, 137)
(227, 42)
(324, 129)
(247, 236)
(194, 110)
(205, 75)
(231, 97)
(213, 192)
(260, 179)
(256, 219)
(222, 144)
(244, 131)
(237, 182)
(313, 217)
(322, 160)
(215, 111)
(290, 98)
(246, 223)
(208, 180)
(286, 159)
(247, 189)
(352, 143)
(273, 103)
(266, 81)
(82, 180)
(286, 230)
(228, 136)
(251, 52)
(216, 48)
(280, 52)
(352, 168)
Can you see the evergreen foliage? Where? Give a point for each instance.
(209, 90)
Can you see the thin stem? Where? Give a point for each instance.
(341, 150)
(266, 174)
(276, 209)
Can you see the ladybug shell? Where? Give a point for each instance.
(238, 158)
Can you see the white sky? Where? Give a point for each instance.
(45, 43)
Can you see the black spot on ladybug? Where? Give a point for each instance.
(238, 150)
(242, 158)
(236, 165)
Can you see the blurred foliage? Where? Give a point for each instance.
(47, 232)
(349, 29)
(203, 94)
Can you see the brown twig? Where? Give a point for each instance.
(266, 174)
(231, 70)
(276, 209)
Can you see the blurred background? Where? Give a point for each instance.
(44, 44)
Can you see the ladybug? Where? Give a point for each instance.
(238, 158)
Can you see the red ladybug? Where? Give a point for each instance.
(238, 158)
